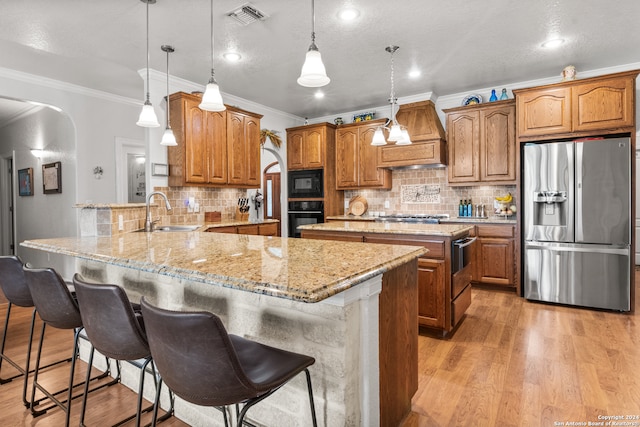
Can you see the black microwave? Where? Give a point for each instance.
(306, 183)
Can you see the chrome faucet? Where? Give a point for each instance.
(148, 224)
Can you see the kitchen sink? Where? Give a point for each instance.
(170, 228)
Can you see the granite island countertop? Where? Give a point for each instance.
(297, 269)
(444, 230)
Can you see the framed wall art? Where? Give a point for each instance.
(25, 182)
(52, 178)
(159, 169)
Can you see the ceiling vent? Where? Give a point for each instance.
(247, 13)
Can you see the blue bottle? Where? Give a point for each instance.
(504, 95)
(494, 97)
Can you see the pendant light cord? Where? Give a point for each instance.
(168, 114)
(212, 69)
(148, 95)
(313, 25)
(392, 96)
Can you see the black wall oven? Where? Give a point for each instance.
(303, 213)
(306, 184)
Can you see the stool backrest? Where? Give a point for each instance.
(195, 357)
(109, 320)
(54, 303)
(13, 283)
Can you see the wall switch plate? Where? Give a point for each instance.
(120, 223)
(387, 205)
(196, 207)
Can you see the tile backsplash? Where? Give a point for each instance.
(426, 191)
(223, 200)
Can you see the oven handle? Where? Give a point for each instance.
(467, 241)
(305, 212)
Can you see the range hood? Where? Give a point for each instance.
(429, 147)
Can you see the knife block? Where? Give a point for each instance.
(241, 216)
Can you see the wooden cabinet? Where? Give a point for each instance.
(602, 104)
(427, 135)
(431, 293)
(214, 148)
(307, 146)
(482, 143)
(495, 256)
(267, 229)
(442, 297)
(357, 160)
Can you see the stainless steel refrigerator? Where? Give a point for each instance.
(576, 203)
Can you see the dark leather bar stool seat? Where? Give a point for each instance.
(15, 289)
(57, 308)
(117, 331)
(204, 365)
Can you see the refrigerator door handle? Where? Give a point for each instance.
(578, 183)
(574, 248)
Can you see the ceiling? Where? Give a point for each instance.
(459, 45)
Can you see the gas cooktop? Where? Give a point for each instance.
(415, 218)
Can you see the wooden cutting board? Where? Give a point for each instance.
(357, 206)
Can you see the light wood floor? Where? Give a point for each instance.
(519, 363)
(511, 363)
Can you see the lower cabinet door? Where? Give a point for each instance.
(431, 293)
(495, 259)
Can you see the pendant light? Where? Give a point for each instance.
(313, 72)
(168, 138)
(397, 133)
(212, 100)
(148, 118)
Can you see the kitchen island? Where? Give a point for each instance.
(351, 306)
(444, 273)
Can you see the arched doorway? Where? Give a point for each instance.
(271, 186)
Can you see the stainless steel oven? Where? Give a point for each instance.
(461, 253)
(303, 213)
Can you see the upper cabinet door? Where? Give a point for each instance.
(217, 146)
(544, 112)
(313, 149)
(196, 154)
(464, 146)
(604, 104)
(243, 149)
(369, 173)
(347, 158)
(252, 144)
(295, 143)
(498, 144)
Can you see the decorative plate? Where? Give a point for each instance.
(472, 99)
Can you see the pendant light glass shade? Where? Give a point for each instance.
(168, 138)
(148, 118)
(313, 73)
(378, 137)
(211, 99)
(395, 133)
(405, 139)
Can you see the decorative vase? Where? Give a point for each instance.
(504, 95)
(493, 96)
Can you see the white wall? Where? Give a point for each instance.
(81, 137)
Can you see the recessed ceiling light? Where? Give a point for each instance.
(552, 44)
(232, 56)
(348, 14)
(319, 94)
(414, 74)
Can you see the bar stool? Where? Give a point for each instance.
(57, 308)
(204, 365)
(117, 331)
(15, 289)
